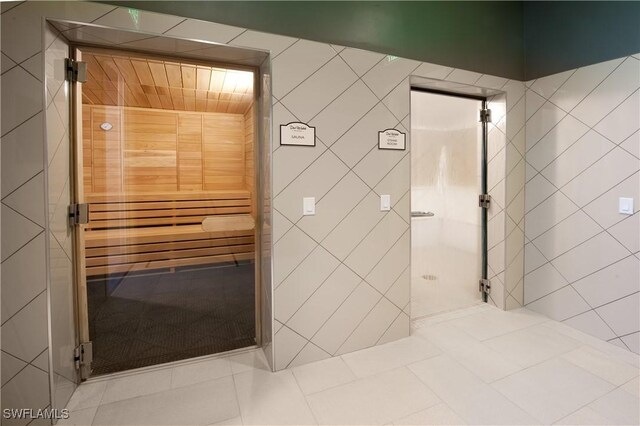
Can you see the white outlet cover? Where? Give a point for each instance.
(308, 206)
(385, 203)
(625, 205)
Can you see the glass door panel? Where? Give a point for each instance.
(446, 226)
(168, 174)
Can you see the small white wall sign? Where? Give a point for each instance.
(392, 139)
(297, 134)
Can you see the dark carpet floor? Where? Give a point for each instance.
(137, 321)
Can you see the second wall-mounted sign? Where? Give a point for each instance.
(392, 139)
(297, 134)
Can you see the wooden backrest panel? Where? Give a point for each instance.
(161, 151)
(190, 157)
(150, 154)
(107, 150)
(223, 143)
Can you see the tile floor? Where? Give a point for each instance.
(478, 365)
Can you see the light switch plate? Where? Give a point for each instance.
(625, 205)
(385, 203)
(308, 206)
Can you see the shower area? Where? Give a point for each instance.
(446, 221)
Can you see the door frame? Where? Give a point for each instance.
(77, 191)
(483, 172)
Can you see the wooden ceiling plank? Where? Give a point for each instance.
(126, 69)
(188, 76)
(178, 102)
(217, 80)
(159, 73)
(94, 67)
(230, 82)
(154, 100)
(109, 67)
(190, 103)
(144, 73)
(149, 83)
(203, 76)
(174, 75)
(166, 101)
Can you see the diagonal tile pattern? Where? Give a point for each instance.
(348, 93)
(580, 264)
(364, 251)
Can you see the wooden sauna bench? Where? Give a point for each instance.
(143, 232)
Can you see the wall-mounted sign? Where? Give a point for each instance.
(297, 134)
(392, 139)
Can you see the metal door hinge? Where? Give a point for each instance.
(484, 286)
(76, 70)
(484, 200)
(78, 214)
(83, 355)
(485, 115)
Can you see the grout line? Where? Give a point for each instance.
(333, 100)
(20, 310)
(26, 70)
(628, 334)
(377, 343)
(301, 261)
(235, 389)
(27, 364)
(569, 112)
(310, 75)
(170, 28)
(18, 125)
(284, 50)
(30, 220)
(20, 3)
(102, 16)
(244, 30)
(600, 306)
(304, 396)
(307, 342)
(21, 185)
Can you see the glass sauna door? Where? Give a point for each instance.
(446, 177)
(167, 171)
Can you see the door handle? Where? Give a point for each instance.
(422, 214)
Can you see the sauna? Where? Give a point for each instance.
(166, 190)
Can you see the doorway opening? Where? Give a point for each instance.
(165, 202)
(448, 226)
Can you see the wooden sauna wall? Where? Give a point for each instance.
(249, 154)
(166, 151)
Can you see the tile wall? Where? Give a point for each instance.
(341, 277)
(582, 262)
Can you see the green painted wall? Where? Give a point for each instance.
(561, 35)
(514, 39)
(480, 36)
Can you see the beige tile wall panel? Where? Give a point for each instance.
(581, 255)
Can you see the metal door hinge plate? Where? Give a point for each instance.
(484, 200)
(78, 214)
(484, 286)
(83, 355)
(485, 115)
(76, 70)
